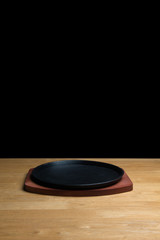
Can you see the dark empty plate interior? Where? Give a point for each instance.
(77, 174)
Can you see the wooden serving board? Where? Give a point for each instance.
(124, 185)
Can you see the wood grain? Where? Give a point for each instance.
(126, 216)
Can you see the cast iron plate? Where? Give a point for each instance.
(76, 174)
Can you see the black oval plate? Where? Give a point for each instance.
(76, 174)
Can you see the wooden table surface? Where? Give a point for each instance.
(130, 215)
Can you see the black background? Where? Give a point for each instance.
(70, 151)
(55, 139)
(72, 89)
(67, 120)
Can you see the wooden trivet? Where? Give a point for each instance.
(124, 185)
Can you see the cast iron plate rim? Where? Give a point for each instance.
(80, 186)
